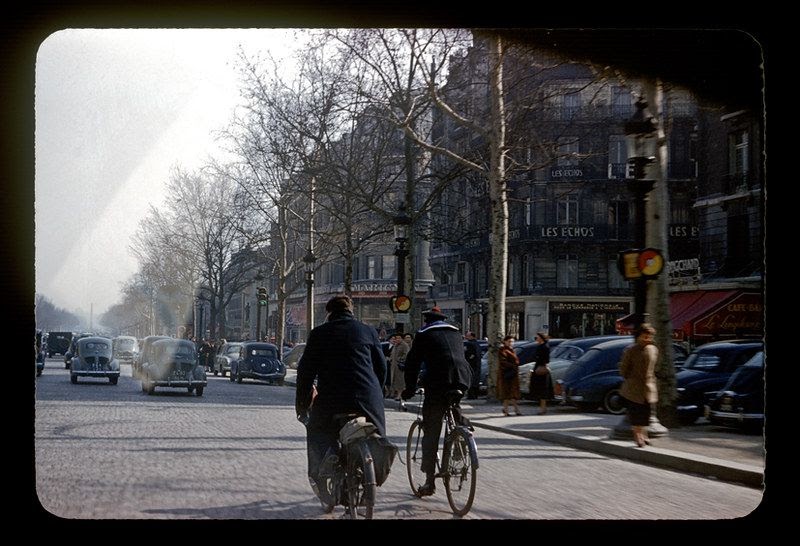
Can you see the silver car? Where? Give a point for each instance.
(93, 358)
(227, 353)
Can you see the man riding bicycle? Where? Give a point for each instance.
(345, 357)
(440, 346)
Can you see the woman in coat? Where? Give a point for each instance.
(508, 376)
(541, 380)
(639, 388)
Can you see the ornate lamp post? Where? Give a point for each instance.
(259, 291)
(401, 225)
(309, 260)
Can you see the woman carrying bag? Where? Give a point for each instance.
(541, 381)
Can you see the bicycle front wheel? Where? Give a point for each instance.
(416, 477)
(460, 474)
(361, 485)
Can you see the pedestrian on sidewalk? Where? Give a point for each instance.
(397, 364)
(508, 376)
(639, 388)
(541, 380)
(472, 352)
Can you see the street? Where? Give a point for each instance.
(237, 452)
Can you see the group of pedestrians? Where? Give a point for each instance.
(343, 371)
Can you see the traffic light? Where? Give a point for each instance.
(262, 295)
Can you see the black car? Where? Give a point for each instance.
(173, 363)
(40, 351)
(740, 403)
(72, 348)
(93, 357)
(258, 360)
(706, 371)
(594, 380)
(58, 343)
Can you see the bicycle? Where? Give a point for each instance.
(459, 461)
(347, 473)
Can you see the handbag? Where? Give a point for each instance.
(541, 370)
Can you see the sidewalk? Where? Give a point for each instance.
(701, 448)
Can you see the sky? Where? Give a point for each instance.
(115, 111)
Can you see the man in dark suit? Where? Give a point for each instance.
(345, 357)
(473, 353)
(440, 346)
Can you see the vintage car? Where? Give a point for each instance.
(145, 351)
(173, 363)
(71, 351)
(125, 349)
(292, 357)
(92, 357)
(227, 353)
(740, 403)
(258, 360)
(58, 343)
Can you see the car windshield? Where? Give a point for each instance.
(126, 344)
(270, 353)
(181, 350)
(756, 361)
(705, 360)
(96, 345)
(566, 352)
(232, 349)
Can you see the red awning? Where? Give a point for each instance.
(687, 308)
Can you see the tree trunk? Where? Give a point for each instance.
(657, 237)
(498, 200)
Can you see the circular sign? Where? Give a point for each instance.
(651, 262)
(402, 304)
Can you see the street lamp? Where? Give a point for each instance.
(309, 260)
(259, 277)
(401, 225)
(642, 142)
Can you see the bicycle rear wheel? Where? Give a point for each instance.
(416, 477)
(361, 485)
(460, 474)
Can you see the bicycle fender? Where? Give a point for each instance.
(473, 447)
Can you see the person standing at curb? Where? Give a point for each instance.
(472, 352)
(508, 376)
(541, 380)
(639, 388)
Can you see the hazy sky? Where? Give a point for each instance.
(115, 111)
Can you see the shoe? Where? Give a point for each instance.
(519, 413)
(505, 412)
(647, 442)
(426, 490)
(639, 444)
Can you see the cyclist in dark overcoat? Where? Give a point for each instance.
(345, 357)
(440, 346)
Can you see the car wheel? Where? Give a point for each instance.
(231, 378)
(224, 373)
(200, 391)
(279, 382)
(687, 419)
(113, 380)
(238, 377)
(190, 389)
(73, 379)
(216, 372)
(613, 403)
(38, 373)
(583, 406)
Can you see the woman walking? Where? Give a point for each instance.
(639, 388)
(508, 376)
(541, 380)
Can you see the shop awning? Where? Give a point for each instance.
(712, 313)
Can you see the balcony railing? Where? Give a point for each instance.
(737, 183)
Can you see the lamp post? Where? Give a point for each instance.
(309, 260)
(258, 278)
(401, 224)
(642, 143)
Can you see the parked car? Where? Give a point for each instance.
(145, 354)
(740, 403)
(258, 360)
(125, 349)
(227, 353)
(594, 380)
(173, 363)
(706, 371)
(291, 358)
(58, 343)
(93, 357)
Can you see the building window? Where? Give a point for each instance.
(739, 153)
(615, 278)
(388, 264)
(370, 267)
(619, 217)
(461, 272)
(679, 212)
(567, 272)
(617, 157)
(572, 104)
(528, 212)
(621, 102)
(567, 211)
(567, 151)
(510, 275)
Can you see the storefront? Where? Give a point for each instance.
(569, 319)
